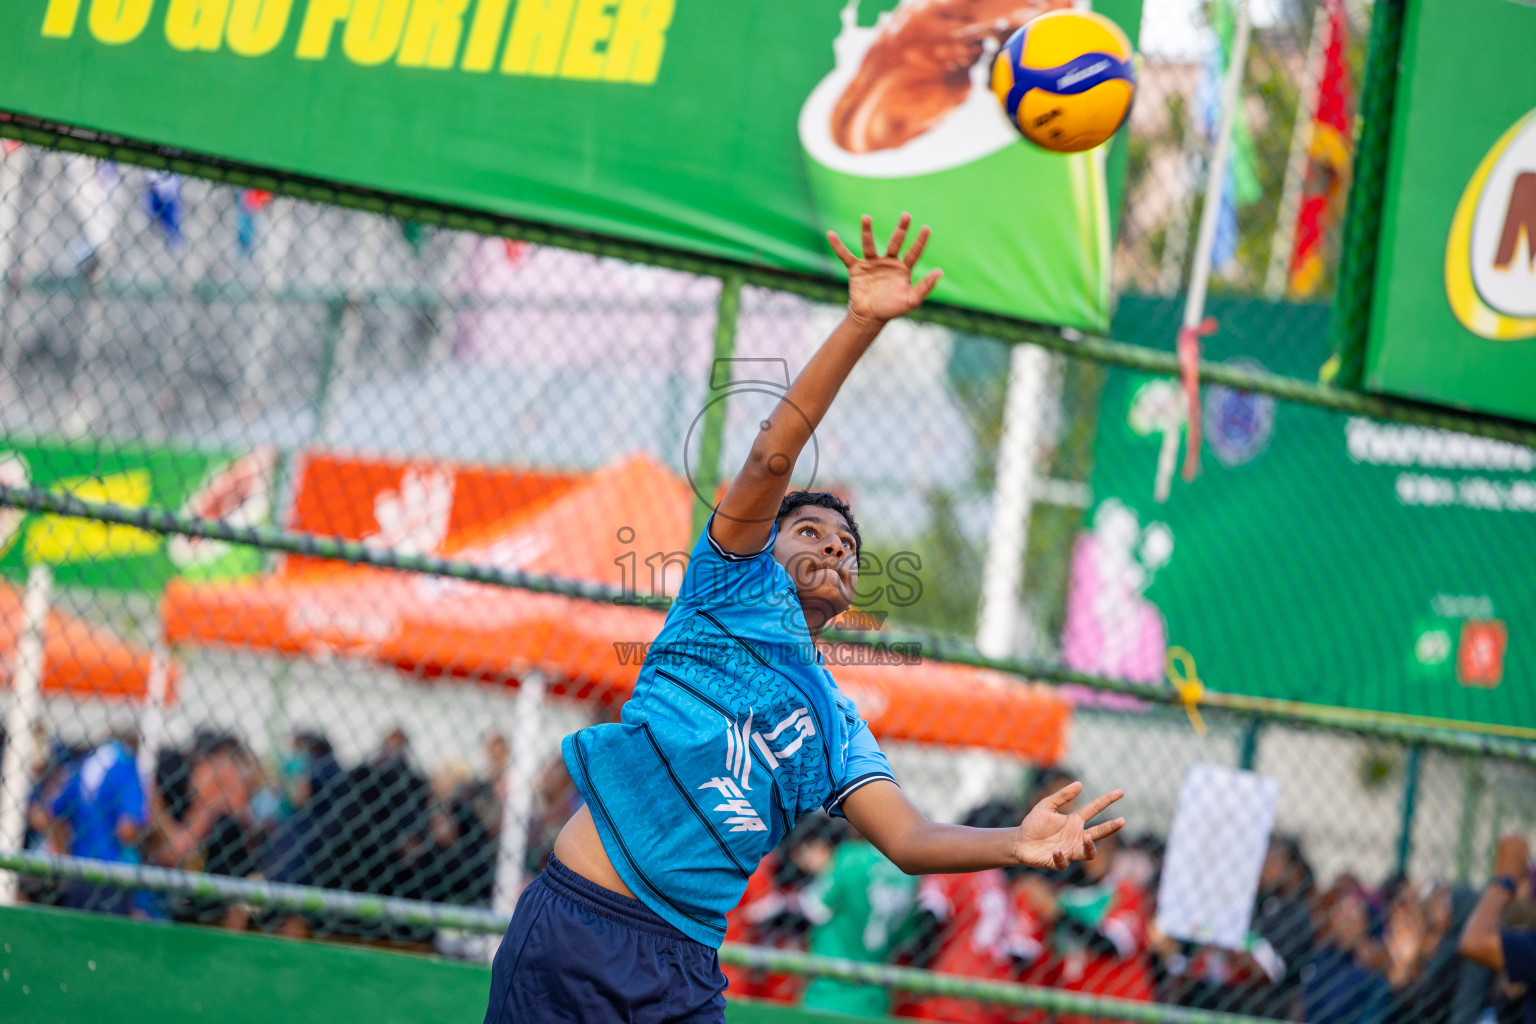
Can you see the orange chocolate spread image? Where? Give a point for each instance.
(918, 69)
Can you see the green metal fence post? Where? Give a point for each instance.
(325, 372)
(1410, 801)
(1362, 219)
(712, 436)
(1495, 829)
(284, 487)
(1249, 751)
(280, 690)
(1472, 788)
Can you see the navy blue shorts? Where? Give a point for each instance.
(578, 952)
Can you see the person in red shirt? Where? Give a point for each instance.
(1035, 912)
(975, 929)
(1101, 938)
(770, 912)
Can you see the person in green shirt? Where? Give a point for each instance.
(860, 909)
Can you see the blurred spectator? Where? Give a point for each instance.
(47, 754)
(555, 799)
(1285, 939)
(382, 810)
(1473, 980)
(1343, 984)
(218, 832)
(103, 810)
(171, 794)
(1265, 979)
(477, 812)
(773, 910)
(439, 860)
(214, 835)
(283, 795)
(1488, 939)
(57, 764)
(301, 847)
(1037, 911)
(967, 922)
(1047, 781)
(394, 748)
(1035, 914)
(858, 910)
(306, 810)
(465, 824)
(1359, 958)
(498, 758)
(1424, 970)
(1101, 939)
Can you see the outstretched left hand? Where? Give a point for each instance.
(880, 287)
(1049, 839)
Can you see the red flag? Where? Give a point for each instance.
(255, 200)
(1329, 153)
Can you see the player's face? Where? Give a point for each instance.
(816, 548)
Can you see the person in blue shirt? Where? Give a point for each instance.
(104, 808)
(1486, 941)
(735, 731)
(1343, 983)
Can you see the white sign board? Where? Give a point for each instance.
(1215, 852)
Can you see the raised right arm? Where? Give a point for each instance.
(880, 289)
(1482, 938)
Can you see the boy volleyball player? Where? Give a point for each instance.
(734, 732)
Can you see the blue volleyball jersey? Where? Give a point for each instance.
(735, 731)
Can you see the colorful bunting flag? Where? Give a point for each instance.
(252, 201)
(1329, 152)
(163, 203)
(415, 234)
(1241, 184)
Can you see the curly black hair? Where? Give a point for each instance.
(821, 499)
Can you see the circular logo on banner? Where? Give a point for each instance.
(1490, 256)
(1238, 424)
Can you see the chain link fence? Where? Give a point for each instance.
(223, 353)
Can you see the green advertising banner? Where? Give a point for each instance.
(1320, 558)
(72, 967)
(1454, 313)
(232, 486)
(740, 130)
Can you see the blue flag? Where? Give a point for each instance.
(1208, 97)
(1240, 185)
(163, 204)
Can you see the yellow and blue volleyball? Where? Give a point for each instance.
(1066, 80)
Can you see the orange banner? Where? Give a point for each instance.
(585, 650)
(626, 526)
(422, 506)
(79, 660)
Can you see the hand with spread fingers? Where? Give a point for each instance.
(1050, 839)
(880, 286)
